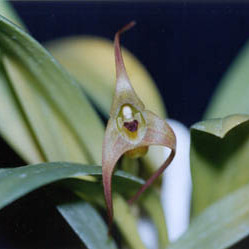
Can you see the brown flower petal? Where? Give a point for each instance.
(130, 129)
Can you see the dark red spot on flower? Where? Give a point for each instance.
(131, 126)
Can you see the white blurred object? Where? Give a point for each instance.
(176, 188)
(148, 233)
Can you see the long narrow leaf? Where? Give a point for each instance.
(219, 159)
(55, 137)
(8, 11)
(16, 182)
(87, 224)
(59, 90)
(14, 127)
(232, 94)
(219, 226)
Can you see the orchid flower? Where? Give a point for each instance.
(130, 129)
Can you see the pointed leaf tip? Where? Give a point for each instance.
(131, 129)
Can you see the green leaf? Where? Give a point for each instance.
(87, 224)
(232, 94)
(219, 158)
(7, 11)
(55, 138)
(14, 127)
(219, 226)
(45, 89)
(152, 204)
(83, 218)
(17, 182)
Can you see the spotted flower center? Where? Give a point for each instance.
(130, 121)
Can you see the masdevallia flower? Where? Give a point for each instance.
(131, 129)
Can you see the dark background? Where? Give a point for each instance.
(187, 47)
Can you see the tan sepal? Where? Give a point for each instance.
(130, 129)
(157, 132)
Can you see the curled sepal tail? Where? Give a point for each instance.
(131, 129)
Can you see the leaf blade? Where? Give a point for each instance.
(65, 93)
(14, 127)
(16, 182)
(219, 155)
(8, 11)
(219, 226)
(231, 96)
(54, 136)
(87, 224)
